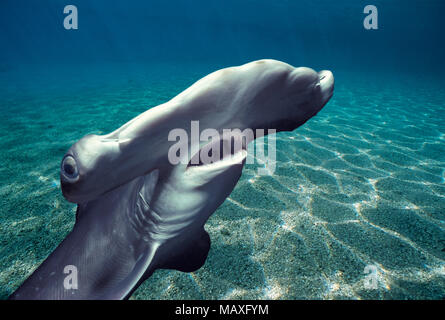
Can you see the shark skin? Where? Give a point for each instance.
(153, 222)
(136, 211)
(264, 94)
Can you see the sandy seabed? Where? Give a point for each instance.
(361, 184)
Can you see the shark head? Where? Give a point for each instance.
(281, 96)
(265, 94)
(83, 166)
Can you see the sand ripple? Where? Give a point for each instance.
(362, 184)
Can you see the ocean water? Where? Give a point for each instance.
(361, 184)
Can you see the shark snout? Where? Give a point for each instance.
(326, 80)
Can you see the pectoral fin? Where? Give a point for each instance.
(191, 257)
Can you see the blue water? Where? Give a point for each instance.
(362, 183)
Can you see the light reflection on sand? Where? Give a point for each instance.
(363, 183)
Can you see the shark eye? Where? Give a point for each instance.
(69, 168)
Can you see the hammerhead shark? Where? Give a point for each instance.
(138, 212)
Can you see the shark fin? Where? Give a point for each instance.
(192, 257)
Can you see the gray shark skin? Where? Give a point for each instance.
(137, 212)
(264, 94)
(154, 221)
